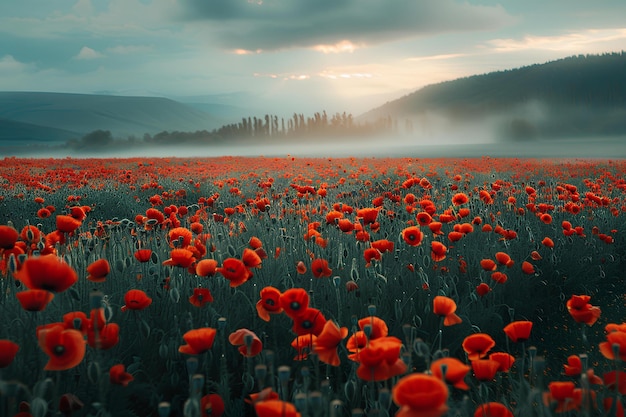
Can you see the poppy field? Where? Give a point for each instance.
(313, 287)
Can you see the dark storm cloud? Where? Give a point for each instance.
(282, 24)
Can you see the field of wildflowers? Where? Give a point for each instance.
(312, 287)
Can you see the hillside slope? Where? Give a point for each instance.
(84, 113)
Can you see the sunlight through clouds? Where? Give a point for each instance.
(340, 47)
(573, 41)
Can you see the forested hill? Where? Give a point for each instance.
(575, 95)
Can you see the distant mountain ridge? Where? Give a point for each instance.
(579, 95)
(41, 116)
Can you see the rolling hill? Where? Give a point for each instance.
(575, 96)
(38, 116)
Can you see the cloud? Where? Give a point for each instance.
(129, 49)
(87, 53)
(567, 42)
(282, 24)
(10, 64)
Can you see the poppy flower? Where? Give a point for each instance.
(326, 343)
(303, 344)
(368, 215)
(275, 408)
(119, 376)
(136, 300)
(454, 236)
(445, 307)
(528, 268)
(547, 242)
(8, 237)
(104, 338)
(371, 254)
(77, 320)
(499, 277)
(383, 245)
(47, 272)
(503, 258)
(574, 366)
(482, 289)
(485, 369)
(504, 359)
(64, 347)
(477, 345)
(67, 224)
(518, 331)
(614, 340)
(143, 255)
(345, 225)
(459, 199)
(212, 405)
(8, 350)
(294, 301)
(320, 269)
(565, 394)
(34, 300)
(423, 218)
(198, 341)
(438, 251)
(234, 271)
(454, 373)
(180, 237)
(535, 256)
(249, 343)
(98, 270)
(581, 311)
(206, 268)
(180, 257)
(380, 359)
(351, 286)
(200, 297)
(615, 381)
(310, 321)
(492, 409)
(269, 303)
(435, 228)
(251, 259)
(377, 327)
(68, 404)
(488, 265)
(420, 395)
(412, 235)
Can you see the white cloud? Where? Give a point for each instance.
(87, 53)
(10, 64)
(568, 42)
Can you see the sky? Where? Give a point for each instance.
(286, 56)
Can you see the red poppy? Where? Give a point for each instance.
(234, 271)
(459, 199)
(547, 242)
(438, 251)
(136, 300)
(528, 268)
(249, 343)
(68, 404)
(482, 289)
(206, 267)
(420, 395)
(34, 300)
(574, 366)
(499, 277)
(275, 408)
(269, 303)
(294, 301)
(212, 405)
(8, 237)
(119, 376)
(180, 237)
(383, 245)
(47, 272)
(77, 320)
(104, 338)
(371, 254)
(380, 359)
(64, 347)
(180, 257)
(377, 327)
(615, 339)
(488, 265)
(310, 321)
(503, 258)
(477, 345)
(485, 369)
(368, 215)
(326, 343)
(8, 350)
(43, 213)
(320, 269)
(345, 225)
(143, 255)
(451, 371)
(200, 297)
(423, 218)
(565, 394)
(581, 311)
(535, 256)
(455, 236)
(98, 270)
(251, 258)
(67, 224)
(445, 307)
(303, 344)
(492, 409)
(504, 359)
(198, 341)
(518, 331)
(412, 235)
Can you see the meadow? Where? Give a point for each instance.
(315, 287)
